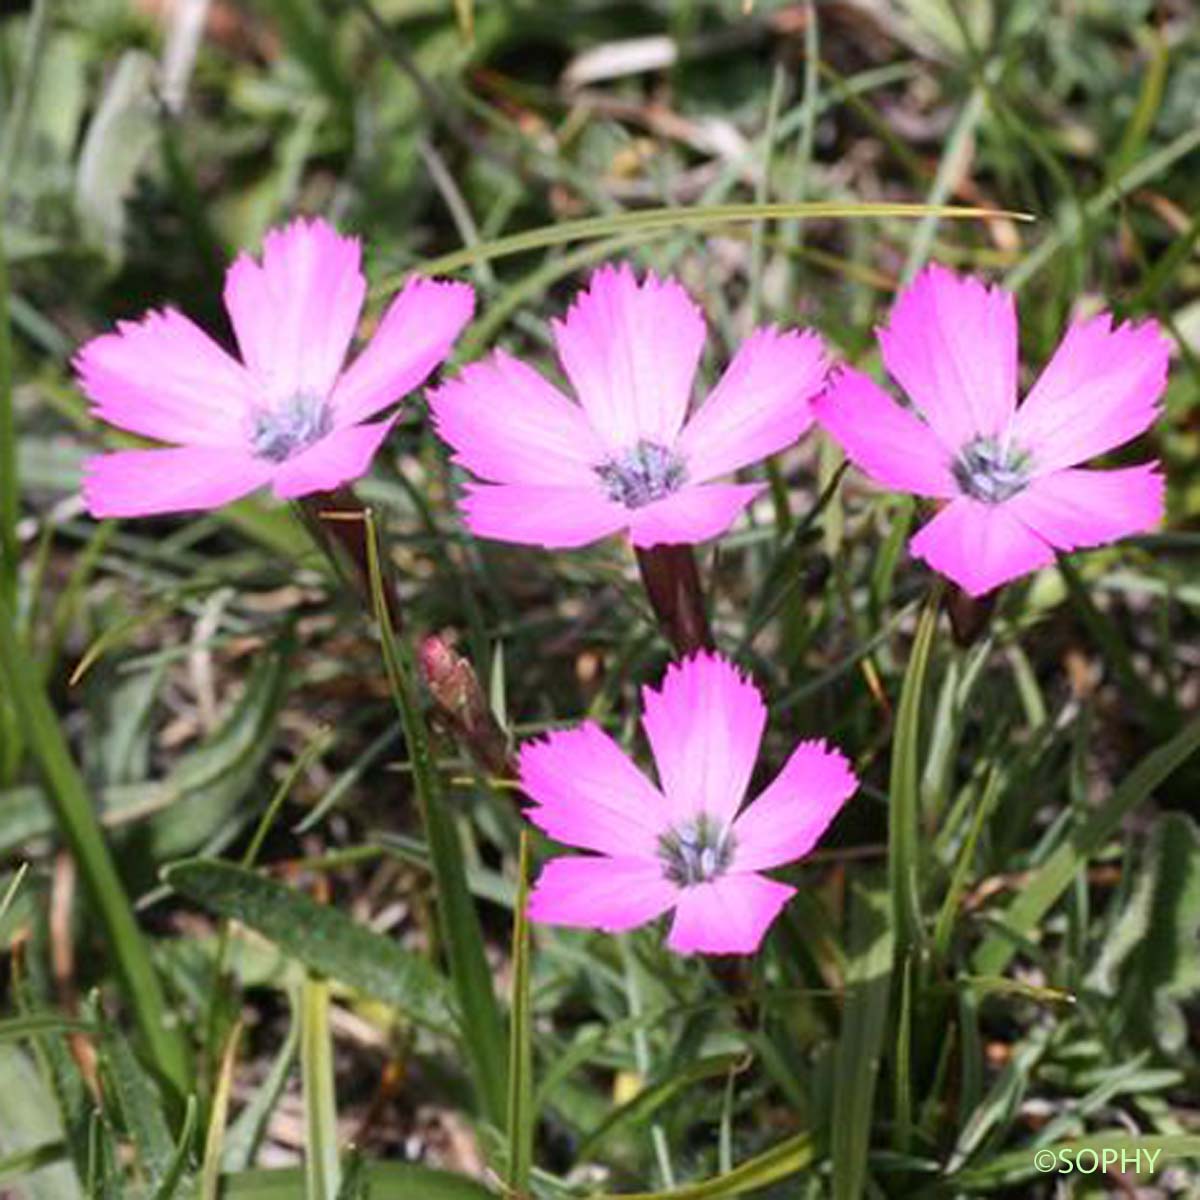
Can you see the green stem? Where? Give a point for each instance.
(521, 1113)
(323, 1170)
(462, 936)
(77, 821)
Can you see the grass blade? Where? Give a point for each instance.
(1054, 876)
(15, 127)
(169, 1187)
(904, 817)
(483, 1027)
(670, 220)
(383, 1180)
(141, 1106)
(37, 1024)
(521, 1115)
(786, 1159)
(323, 1172)
(214, 1140)
(860, 1044)
(77, 821)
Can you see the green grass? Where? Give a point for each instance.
(259, 927)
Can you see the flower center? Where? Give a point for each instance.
(697, 851)
(990, 472)
(642, 474)
(279, 433)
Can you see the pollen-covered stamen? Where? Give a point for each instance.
(642, 474)
(698, 851)
(988, 471)
(278, 433)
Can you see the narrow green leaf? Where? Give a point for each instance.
(521, 1115)
(860, 1043)
(482, 1024)
(322, 1163)
(77, 820)
(16, 1166)
(169, 1186)
(218, 1115)
(651, 1098)
(904, 845)
(1054, 876)
(962, 868)
(385, 1181)
(323, 938)
(1149, 102)
(35, 1024)
(783, 1160)
(140, 1103)
(10, 503)
(10, 892)
(19, 105)
(903, 1105)
(1000, 1104)
(671, 219)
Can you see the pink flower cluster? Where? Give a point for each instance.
(630, 451)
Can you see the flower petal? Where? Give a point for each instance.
(294, 314)
(951, 343)
(728, 916)
(339, 457)
(1100, 389)
(980, 546)
(414, 336)
(558, 518)
(704, 726)
(508, 425)
(792, 813)
(1075, 508)
(588, 793)
(692, 514)
(883, 440)
(613, 894)
(631, 353)
(759, 406)
(163, 377)
(144, 483)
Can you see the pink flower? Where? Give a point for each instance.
(683, 846)
(288, 414)
(627, 456)
(1015, 492)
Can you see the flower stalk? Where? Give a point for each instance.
(672, 582)
(969, 615)
(337, 522)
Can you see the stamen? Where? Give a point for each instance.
(283, 431)
(642, 474)
(698, 851)
(989, 472)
